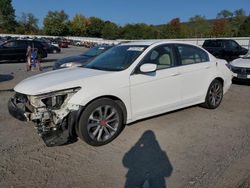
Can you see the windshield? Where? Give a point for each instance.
(92, 52)
(117, 58)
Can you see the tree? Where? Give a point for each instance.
(95, 27)
(244, 30)
(78, 25)
(110, 31)
(175, 28)
(224, 14)
(139, 31)
(220, 28)
(56, 23)
(7, 16)
(237, 20)
(240, 13)
(199, 26)
(27, 24)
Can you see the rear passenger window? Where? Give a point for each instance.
(191, 54)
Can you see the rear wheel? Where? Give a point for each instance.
(101, 122)
(214, 95)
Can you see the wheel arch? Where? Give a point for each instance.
(220, 79)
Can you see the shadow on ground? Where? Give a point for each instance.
(148, 165)
(6, 77)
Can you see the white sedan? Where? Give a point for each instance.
(241, 68)
(129, 82)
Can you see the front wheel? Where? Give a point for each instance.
(214, 95)
(101, 122)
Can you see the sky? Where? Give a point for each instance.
(131, 11)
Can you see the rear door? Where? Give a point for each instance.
(195, 69)
(21, 49)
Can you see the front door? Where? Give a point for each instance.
(157, 92)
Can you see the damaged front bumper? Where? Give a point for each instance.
(55, 124)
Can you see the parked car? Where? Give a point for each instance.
(224, 48)
(63, 44)
(129, 82)
(53, 49)
(82, 59)
(241, 68)
(16, 49)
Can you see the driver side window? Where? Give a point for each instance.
(11, 44)
(162, 56)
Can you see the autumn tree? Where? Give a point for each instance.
(220, 28)
(56, 23)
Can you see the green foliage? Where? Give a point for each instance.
(95, 27)
(7, 16)
(224, 14)
(139, 31)
(27, 24)
(56, 23)
(78, 25)
(244, 30)
(199, 26)
(110, 31)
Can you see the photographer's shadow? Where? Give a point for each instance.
(147, 164)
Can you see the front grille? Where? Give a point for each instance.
(241, 70)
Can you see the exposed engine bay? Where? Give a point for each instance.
(51, 113)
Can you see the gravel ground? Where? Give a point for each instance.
(193, 147)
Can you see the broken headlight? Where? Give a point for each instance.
(54, 100)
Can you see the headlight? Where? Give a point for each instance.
(71, 64)
(53, 100)
(64, 65)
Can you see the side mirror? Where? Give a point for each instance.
(148, 67)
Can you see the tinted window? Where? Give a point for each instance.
(231, 44)
(191, 54)
(21, 44)
(11, 44)
(162, 56)
(212, 43)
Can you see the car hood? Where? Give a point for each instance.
(241, 62)
(77, 59)
(57, 80)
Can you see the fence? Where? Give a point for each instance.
(243, 41)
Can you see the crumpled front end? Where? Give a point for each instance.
(53, 116)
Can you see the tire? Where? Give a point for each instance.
(54, 51)
(101, 122)
(214, 95)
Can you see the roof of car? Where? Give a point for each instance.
(150, 42)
